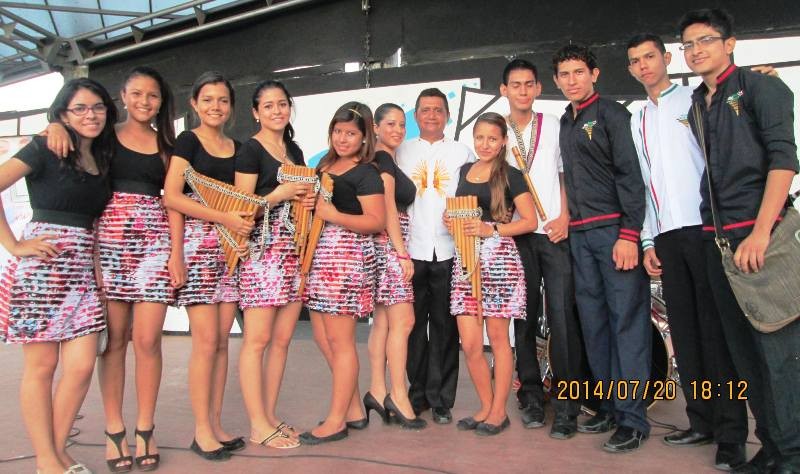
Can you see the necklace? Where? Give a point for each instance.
(282, 154)
(534, 141)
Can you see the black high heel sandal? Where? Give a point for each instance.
(370, 403)
(114, 465)
(407, 423)
(146, 435)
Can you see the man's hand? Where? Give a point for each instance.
(558, 228)
(749, 257)
(766, 69)
(651, 262)
(625, 254)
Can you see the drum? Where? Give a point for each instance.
(663, 367)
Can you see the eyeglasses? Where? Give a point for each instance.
(704, 41)
(80, 110)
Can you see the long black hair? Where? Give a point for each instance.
(361, 115)
(165, 118)
(288, 132)
(103, 145)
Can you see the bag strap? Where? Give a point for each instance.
(719, 238)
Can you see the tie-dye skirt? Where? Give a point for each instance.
(54, 300)
(391, 287)
(502, 282)
(134, 247)
(342, 276)
(270, 280)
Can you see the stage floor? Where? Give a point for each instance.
(378, 449)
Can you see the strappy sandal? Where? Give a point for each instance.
(79, 468)
(141, 463)
(120, 464)
(277, 434)
(288, 429)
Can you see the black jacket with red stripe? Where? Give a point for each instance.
(601, 170)
(749, 131)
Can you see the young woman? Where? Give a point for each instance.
(197, 252)
(394, 312)
(49, 298)
(269, 280)
(342, 280)
(133, 246)
(500, 189)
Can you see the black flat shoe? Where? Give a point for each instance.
(488, 429)
(564, 427)
(600, 423)
(141, 461)
(219, 454)
(310, 439)
(441, 415)
(624, 440)
(121, 463)
(407, 423)
(730, 456)
(468, 424)
(371, 403)
(533, 415)
(358, 424)
(688, 438)
(234, 444)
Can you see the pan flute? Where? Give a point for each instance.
(224, 197)
(294, 216)
(326, 190)
(460, 210)
(524, 169)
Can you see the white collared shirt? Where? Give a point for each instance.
(671, 162)
(546, 165)
(434, 169)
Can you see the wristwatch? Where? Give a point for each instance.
(495, 232)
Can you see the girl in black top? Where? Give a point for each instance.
(500, 189)
(269, 282)
(209, 151)
(394, 312)
(49, 295)
(342, 279)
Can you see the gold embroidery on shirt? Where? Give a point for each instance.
(440, 178)
(420, 177)
(684, 120)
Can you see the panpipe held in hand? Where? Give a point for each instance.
(460, 210)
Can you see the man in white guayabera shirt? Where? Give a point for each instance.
(672, 168)
(432, 161)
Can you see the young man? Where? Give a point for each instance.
(672, 167)
(432, 161)
(605, 194)
(544, 254)
(748, 124)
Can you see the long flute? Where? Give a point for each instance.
(524, 169)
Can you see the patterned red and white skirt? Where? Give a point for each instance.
(342, 276)
(271, 279)
(502, 282)
(134, 247)
(52, 300)
(392, 288)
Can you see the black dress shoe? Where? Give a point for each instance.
(688, 438)
(602, 422)
(219, 454)
(441, 415)
(234, 444)
(564, 427)
(624, 440)
(761, 463)
(533, 415)
(488, 429)
(310, 439)
(730, 456)
(358, 424)
(468, 424)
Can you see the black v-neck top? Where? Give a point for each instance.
(516, 186)
(404, 188)
(360, 180)
(253, 158)
(189, 147)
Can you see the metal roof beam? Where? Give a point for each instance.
(64, 8)
(21, 48)
(26, 23)
(127, 23)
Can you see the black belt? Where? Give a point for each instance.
(135, 187)
(63, 218)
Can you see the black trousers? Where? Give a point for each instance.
(769, 363)
(544, 260)
(432, 363)
(697, 336)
